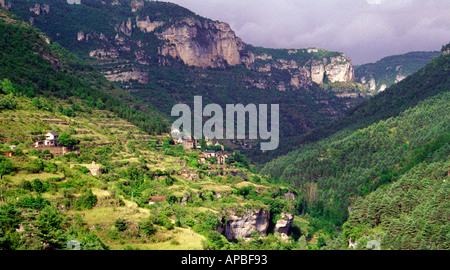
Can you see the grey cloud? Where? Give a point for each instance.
(365, 30)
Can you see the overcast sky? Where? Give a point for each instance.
(365, 30)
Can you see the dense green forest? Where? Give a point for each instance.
(407, 131)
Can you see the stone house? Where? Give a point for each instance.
(51, 139)
(221, 159)
(201, 159)
(210, 153)
(188, 144)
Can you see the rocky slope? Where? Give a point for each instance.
(390, 70)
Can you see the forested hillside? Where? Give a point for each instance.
(406, 134)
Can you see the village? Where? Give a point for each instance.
(207, 155)
(211, 155)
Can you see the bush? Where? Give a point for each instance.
(87, 200)
(66, 140)
(6, 166)
(212, 221)
(147, 227)
(38, 186)
(36, 166)
(120, 224)
(37, 203)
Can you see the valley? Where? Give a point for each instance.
(87, 152)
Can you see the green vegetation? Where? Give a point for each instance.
(364, 167)
(381, 172)
(427, 82)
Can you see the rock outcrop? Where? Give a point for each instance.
(241, 227)
(340, 69)
(202, 43)
(126, 76)
(40, 9)
(304, 71)
(147, 26)
(136, 4)
(284, 224)
(111, 53)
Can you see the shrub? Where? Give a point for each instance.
(36, 166)
(120, 224)
(147, 227)
(66, 140)
(37, 203)
(39, 186)
(87, 200)
(6, 166)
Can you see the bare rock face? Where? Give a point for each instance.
(136, 4)
(317, 72)
(81, 36)
(300, 78)
(290, 196)
(340, 69)
(146, 25)
(126, 27)
(242, 227)
(333, 69)
(203, 44)
(284, 224)
(40, 9)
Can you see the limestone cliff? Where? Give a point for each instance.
(202, 43)
(241, 227)
(306, 66)
(126, 76)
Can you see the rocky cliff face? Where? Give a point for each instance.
(202, 43)
(304, 69)
(241, 227)
(207, 43)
